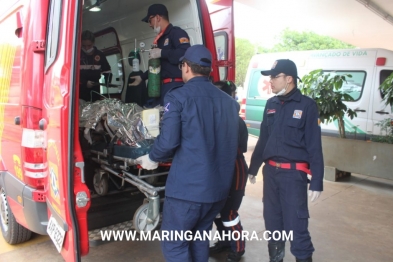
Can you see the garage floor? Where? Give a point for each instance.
(351, 221)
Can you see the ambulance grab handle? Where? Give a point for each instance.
(382, 112)
(81, 166)
(360, 110)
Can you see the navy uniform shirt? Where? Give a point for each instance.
(200, 131)
(91, 68)
(290, 132)
(173, 43)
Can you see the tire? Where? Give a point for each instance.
(140, 220)
(100, 183)
(12, 231)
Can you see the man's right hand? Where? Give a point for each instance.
(137, 80)
(90, 84)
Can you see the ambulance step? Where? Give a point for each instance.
(95, 237)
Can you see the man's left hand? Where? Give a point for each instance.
(146, 162)
(314, 195)
(155, 53)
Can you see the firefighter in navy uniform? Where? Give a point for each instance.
(172, 42)
(229, 219)
(200, 131)
(290, 146)
(93, 63)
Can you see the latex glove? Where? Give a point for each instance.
(90, 84)
(252, 179)
(155, 53)
(146, 162)
(314, 195)
(137, 80)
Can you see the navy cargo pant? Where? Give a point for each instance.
(182, 215)
(285, 207)
(164, 88)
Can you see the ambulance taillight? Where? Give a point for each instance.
(381, 61)
(33, 149)
(243, 109)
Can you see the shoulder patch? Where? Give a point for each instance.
(166, 107)
(166, 42)
(184, 40)
(271, 111)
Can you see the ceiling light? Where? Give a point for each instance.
(96, 7)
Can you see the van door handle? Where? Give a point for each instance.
(17, 120)
(360, 110)
(382, 112)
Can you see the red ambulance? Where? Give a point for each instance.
(42, 168)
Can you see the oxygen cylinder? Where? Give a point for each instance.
(154, 77)
(135, 62)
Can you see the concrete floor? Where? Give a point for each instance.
(351, 221)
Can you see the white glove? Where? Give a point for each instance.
(314, 195)
(155, 53)
(146, 162)
(252, 179)
(90, 84)
(137, 81)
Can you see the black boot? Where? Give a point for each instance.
(276, 251)
(234, 256)
(304, 260)
(219, 247)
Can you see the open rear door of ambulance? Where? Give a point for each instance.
(67, 196)
(221, 16)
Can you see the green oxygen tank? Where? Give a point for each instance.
(154, 83)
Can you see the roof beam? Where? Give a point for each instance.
(377, 10)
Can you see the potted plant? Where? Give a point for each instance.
(345, 156)
(325, 89)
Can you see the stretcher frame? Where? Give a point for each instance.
(147, 216)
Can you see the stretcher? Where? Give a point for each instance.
(120, 161)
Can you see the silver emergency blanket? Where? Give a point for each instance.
(121, 121)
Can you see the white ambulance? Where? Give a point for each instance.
(368, 67)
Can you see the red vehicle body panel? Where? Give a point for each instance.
(35, 96)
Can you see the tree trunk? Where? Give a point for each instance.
(341, 127)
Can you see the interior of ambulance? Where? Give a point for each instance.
(119, 32)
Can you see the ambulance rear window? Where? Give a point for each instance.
(382, 76)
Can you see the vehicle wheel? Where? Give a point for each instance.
(101, 183)
(140, 221)
(12, 231)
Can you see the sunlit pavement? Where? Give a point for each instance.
(351, 222)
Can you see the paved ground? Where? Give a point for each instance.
(351, 222)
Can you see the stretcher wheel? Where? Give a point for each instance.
(100, 183)
(140, 221)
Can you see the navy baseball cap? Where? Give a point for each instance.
(198, 54)
(284, 66)
(155, 9)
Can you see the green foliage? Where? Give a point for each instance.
(387, 90)
(387, 128)
(289, 41)
(325, 89)
(297, 41)
(244, 51)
